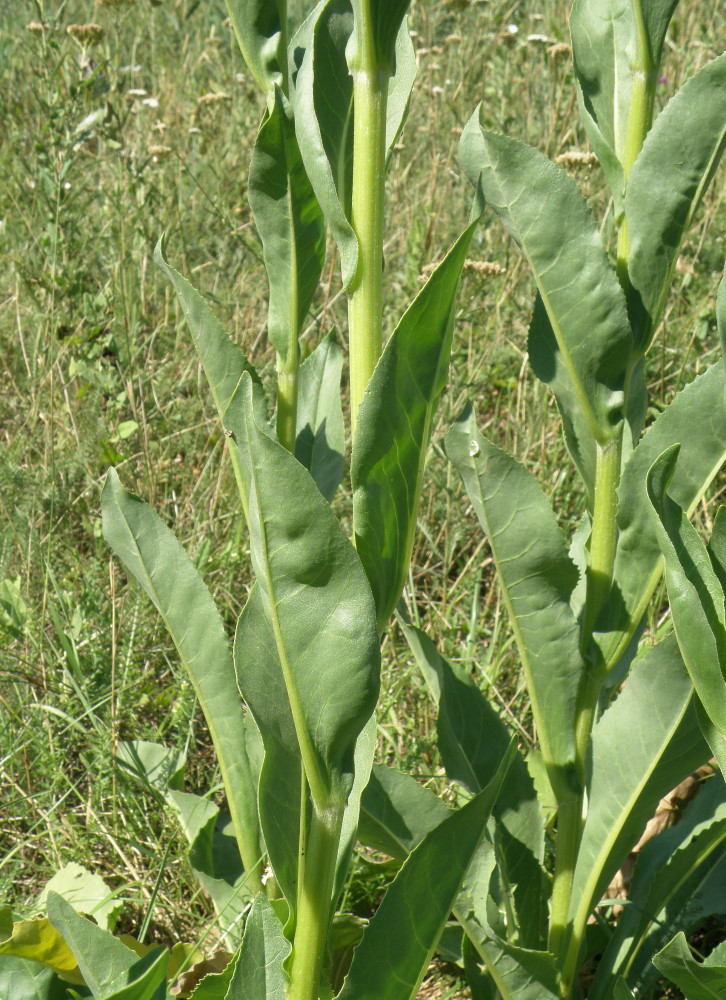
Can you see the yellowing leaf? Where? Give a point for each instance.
(40, 941)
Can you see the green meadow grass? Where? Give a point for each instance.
(103, 146)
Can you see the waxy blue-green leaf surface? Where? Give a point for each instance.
(696, 418)
(635, 761)
(694, 591)
(394, 429)
(537, 577)
(698, 980)
(258, 973)
(418, 903)
(290, 223)
(544, 212)
(320, 442)
(260, 27)
(155, 558)
(678, 881)
(666, 185)
(606, 50)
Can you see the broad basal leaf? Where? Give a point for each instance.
(395, 951)
(394, 429)
(290, 223)
(537, 577)
(636, 760)
(696, 419)
(155, 558)
(548, 218)
(320, 444)
(24, 980)
(698, 980)
(261, 30)
(666, 185)
(694, 591)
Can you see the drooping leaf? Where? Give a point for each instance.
(394, 429)
(696, 418)
(609, 53)
(39, 941)
(101, 957)
(472, 740)
(417, 904)
(306, 648)
(397, 812)
(290, 223)
(322, 99)
(258, 973)
(24, 980)
(261, 29)
(155, 558)
(320, 444)
(537, 578)
(86, 892)
(677, 880)
(544, 212)
(694, 591)
(634, 764)
(698, 980)
(666, 185)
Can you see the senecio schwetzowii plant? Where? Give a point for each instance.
(296, 755)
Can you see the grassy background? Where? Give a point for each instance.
(102, 148)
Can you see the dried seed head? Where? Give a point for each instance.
(217, 98)
(87, 34)
(559, 49)
(37, 27)
(486, 267)
(159, 150)
(576, 158)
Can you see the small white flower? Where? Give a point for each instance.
(137, 92)
(266, 875)
(437, 90)
(512, 29)
(538, 38)
(131, 68)
(150, 102)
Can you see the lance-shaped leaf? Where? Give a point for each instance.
(306, 649)
(158, 562)
(537, 578)
(633, 766)
(666, 185)
(259, 973)
(678, 880)
(694, 591)
(418, 903)
(698, 980)
(696, 418)
(260, 27)
(544, 212)
(617, 47)
(221, 358)
(290, 223)
(322, 98)
(394, 429)
(472, 740)
(320, 443)
(397, 812)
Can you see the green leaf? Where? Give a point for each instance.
(38, 941)
(696, 418)
(537, 578)
(306, 648)
(721, 311)
(400, 86)
(101, 958)
(214, 858)
(24, 980)
(155, 558)
(666, 185)
(676, 883)
(494, 973)
(605, 49)
(394, 429)
(694, 591)
(290, 223)
(258, 973)
(320, 444)
(261, 27)
(86, 892)
(418, 903)
(322, 99)
(544, 212)
(621, 991)
(472, 740)
(146, 980)
(397, 812)
(155, 766)
(697, 980)
(633, 766)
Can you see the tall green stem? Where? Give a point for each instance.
(365, 307)
(316, 877)
(569, 830)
